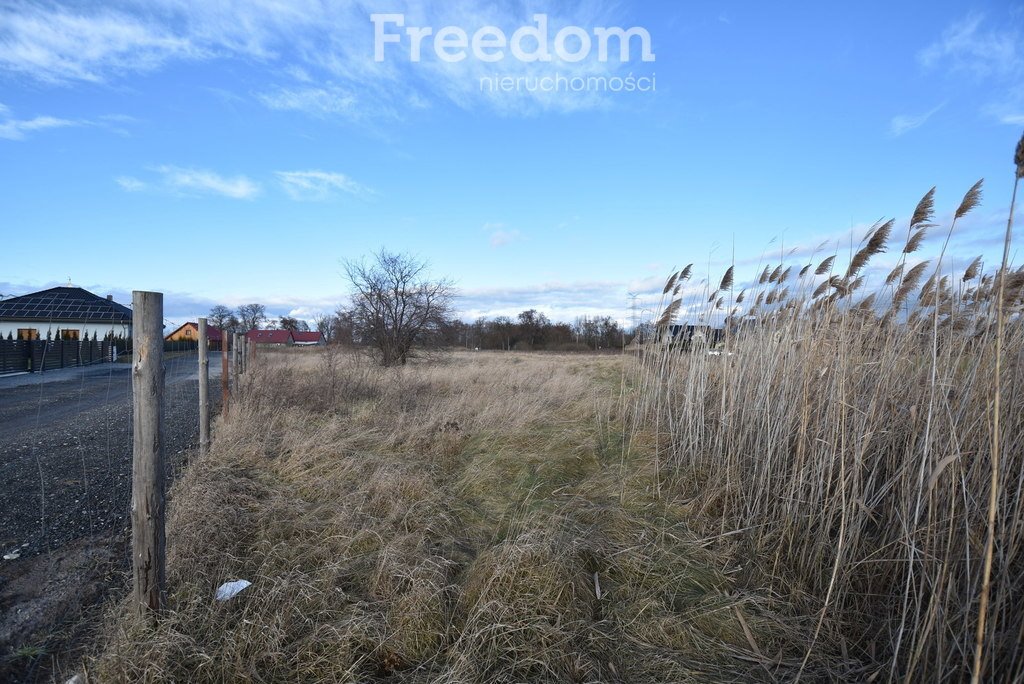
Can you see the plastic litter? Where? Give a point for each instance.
(230, 589)
(13, 555)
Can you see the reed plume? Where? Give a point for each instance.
(971, 200)
(876, 245)
(825, 266)
(727, 279)
(914, 243)
(910, 281)
(670, 284)
(972, 269)
(669, 314)
(923, 212)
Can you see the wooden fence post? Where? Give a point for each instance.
(148, 542)
(204, 389)
(224, 372)
(235, 370)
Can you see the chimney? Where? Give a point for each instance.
(110, 298)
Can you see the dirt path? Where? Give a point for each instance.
(65, 484)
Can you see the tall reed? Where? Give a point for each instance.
(866, 446)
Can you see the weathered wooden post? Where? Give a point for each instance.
(204, 388)
(235, 370)
(148, 542)
(223, 372)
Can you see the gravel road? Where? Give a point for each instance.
(65, 488)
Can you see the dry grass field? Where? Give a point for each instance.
(482, 517)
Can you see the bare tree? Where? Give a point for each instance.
(325, 326)
(395, 305)
(293, 324)
(222, 317)
(251, 315)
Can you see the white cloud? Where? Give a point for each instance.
(14, 129)
(564, 301)
(320, 185)
(54, 44)
(989, 56)
(966, 46)
(130, 184)
(904, 123)
(316, 101)
(501, 237)
(319, 53)
(208, 182)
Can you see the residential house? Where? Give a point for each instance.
(66, 313)
(307, 339)
(277, 338)
(189, 332)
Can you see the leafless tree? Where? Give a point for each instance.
(222, 317)
(325, 326)
(251, 315)
(396, 305)
(293, 324)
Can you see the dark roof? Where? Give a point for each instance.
(64, 304)
(313, 336)
(270, 336)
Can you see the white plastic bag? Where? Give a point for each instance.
(230, 589)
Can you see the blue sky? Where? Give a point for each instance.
(228, 152)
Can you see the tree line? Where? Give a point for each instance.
(396, 308)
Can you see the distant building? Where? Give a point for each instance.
(279, 338)
(307, 339)
(67, 313)
(694, 335)
(189, 332)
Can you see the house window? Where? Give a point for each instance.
(188, 332)
(28, 334)
(69, 334)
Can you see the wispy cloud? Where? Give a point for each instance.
(54, 44)
(987, 51)
(500, 236)
(323, 102)
(320, 185)
(905, 123)
(318, 55)
(208, 182)
(130, 184)
(965, 45)
(15, 129)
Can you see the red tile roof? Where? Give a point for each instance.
(307, 336)
(270, 336)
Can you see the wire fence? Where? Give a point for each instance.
(66, 473)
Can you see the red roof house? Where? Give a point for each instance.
(190, 332)
(307, 339)
(278, 337)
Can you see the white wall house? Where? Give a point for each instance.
(67, 312)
